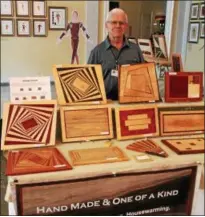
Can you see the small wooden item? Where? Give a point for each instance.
(138, 83)
(146, 47)
(176, 62)
(136, 122)
(183, 86)
(186, 146)
(160, 46)
(97, 156)
(37, 160)
(86, 123)
(79, 84)
(181, 120)
(29, 125)
(147, 146)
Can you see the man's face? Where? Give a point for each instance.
(116, 25)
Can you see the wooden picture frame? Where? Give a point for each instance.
(193, 32)
(146, 47)
(39, 8)
(160, 47)
(176, 62)
(79, 84)
(22, 8)
(202, 30)
(202, 11)
(83, 123)
(23, 27)
(183, 86)
(7, 9)
(139, 121)
(7, 27)
(57, 18)
(194, 11)
(138, 83)
(29, 124)
(40, 28)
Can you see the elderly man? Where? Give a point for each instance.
(115, 50)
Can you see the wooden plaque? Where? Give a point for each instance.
(146, 47)
(86, 123)
(138, 83)
(79, 84)
(183, 86)
(186, 146)
(30, 124)
(36, 160)
(97, 156)
(160, 46)
(136, 122)
(181, 120)
(176, 62)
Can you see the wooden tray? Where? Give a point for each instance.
(181, 120)
(37, 160)
(186, 146)
(30, 124)
(183, 86)
(136, 122)
(79, 84)
(86, 123)
(138, 83)
(97, 156)
(176, 62)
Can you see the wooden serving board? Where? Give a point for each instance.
(136, 122)
(183, 86)
(30, 124)
(86, 123)
(97, 156)
(138, 83)
(79, 84)
(186, 146)
(181, 120)
(36, 160)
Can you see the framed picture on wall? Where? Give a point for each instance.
(23, 27)
(202, 30)
(39, 8)
(57, 18)
(7, 27)
(6, 8)
(202, 11)
(22, 9)
(194, 11)
(40, 28)
(193, 32)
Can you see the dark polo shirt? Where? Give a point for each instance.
(108, 57)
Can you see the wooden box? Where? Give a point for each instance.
(27, 125)
(138, 83)
(79, 84)
(183, 86)
(181, 120)
(136, 122)
(84, 123)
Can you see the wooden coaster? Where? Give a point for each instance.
(37, 160)
(97, 156)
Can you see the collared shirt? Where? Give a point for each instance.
(109, 57)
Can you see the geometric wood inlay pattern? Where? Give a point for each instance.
(36, 160)
(160, 46)
(146, 47)
(29, 124)
(138, 83)
(97, 156)
(186, 146)
(147, 146)
(136, 121)
(86, 123)
(79, 84)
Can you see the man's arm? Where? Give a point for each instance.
(92, 58)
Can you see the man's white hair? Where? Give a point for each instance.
(114, 11)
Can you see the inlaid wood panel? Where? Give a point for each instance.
(97, 156)
(160, 47)
(146, 47)
(136, 121)
(181, 120)
(147, 146)
(186, 146)
(86, 123)
(176, 62)
(29, 124)
(138, 83)
(79, 84)
(36, 160)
